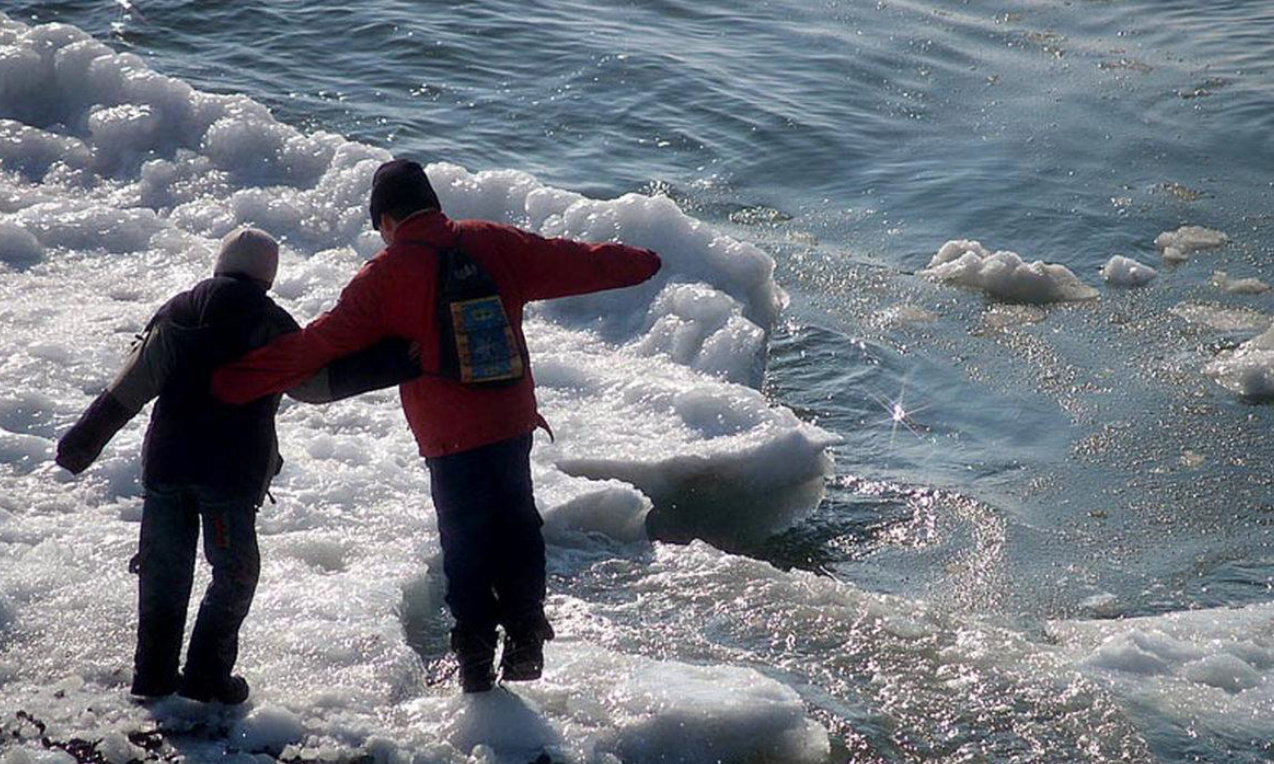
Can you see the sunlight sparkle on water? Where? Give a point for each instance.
(899, 414)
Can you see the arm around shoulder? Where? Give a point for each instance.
(353, 324)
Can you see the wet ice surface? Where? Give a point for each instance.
(115, 190)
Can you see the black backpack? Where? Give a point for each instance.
(478, 346)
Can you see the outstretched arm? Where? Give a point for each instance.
(147, 369)
(549, 268)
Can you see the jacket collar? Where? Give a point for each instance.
(430, 227)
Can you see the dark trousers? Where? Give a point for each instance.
(492, 547)
(171, 517)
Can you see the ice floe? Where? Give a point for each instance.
(1251, 285)
(1249, 369)
(1178, 245)
(1209, 671)
(1004, 275)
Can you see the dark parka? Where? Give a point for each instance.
(193, 438)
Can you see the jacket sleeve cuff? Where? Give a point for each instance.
(388, 363)
(83, 443)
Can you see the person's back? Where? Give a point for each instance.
(206, 462)
(193, 438)
(476, 438)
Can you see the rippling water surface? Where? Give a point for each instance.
(1011, 464)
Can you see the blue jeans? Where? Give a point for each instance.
(165, 563)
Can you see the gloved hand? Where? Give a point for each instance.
(76, 451)
(83, 443)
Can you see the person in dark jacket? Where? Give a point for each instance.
(457, 289)
(208, 462)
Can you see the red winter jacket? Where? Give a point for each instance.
(394, 295)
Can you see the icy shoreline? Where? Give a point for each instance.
(114, 183)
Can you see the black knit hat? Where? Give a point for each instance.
(400, 188)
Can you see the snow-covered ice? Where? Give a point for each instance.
(1004, 275)
(1211, 671)
(115, 182)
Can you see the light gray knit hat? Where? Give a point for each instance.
(249, 252)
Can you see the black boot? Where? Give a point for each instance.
(231, 690)
(476, 654)
(523, 659)
(145, 686)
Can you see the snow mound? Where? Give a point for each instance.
(1178, 245)
(1249, 369)
(18, 246)
(267, 729)
(1124, 271)
(1005, 275)
(1222, 280)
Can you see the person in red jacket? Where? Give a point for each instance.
(457, 290)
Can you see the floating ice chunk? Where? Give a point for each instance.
(1102, 604)
(504, 722)
(1227, 672)
(32, 151)
(24, 451)
(1178, 245)
(679, 713)
(1130, 655)
(1124, 271)
(700, 327)
(122, 132)
(1004, 275)
(647, 710)
(1222, 280)
(573, 505)
(86, 226)
(1249, 369)
(716, 460)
